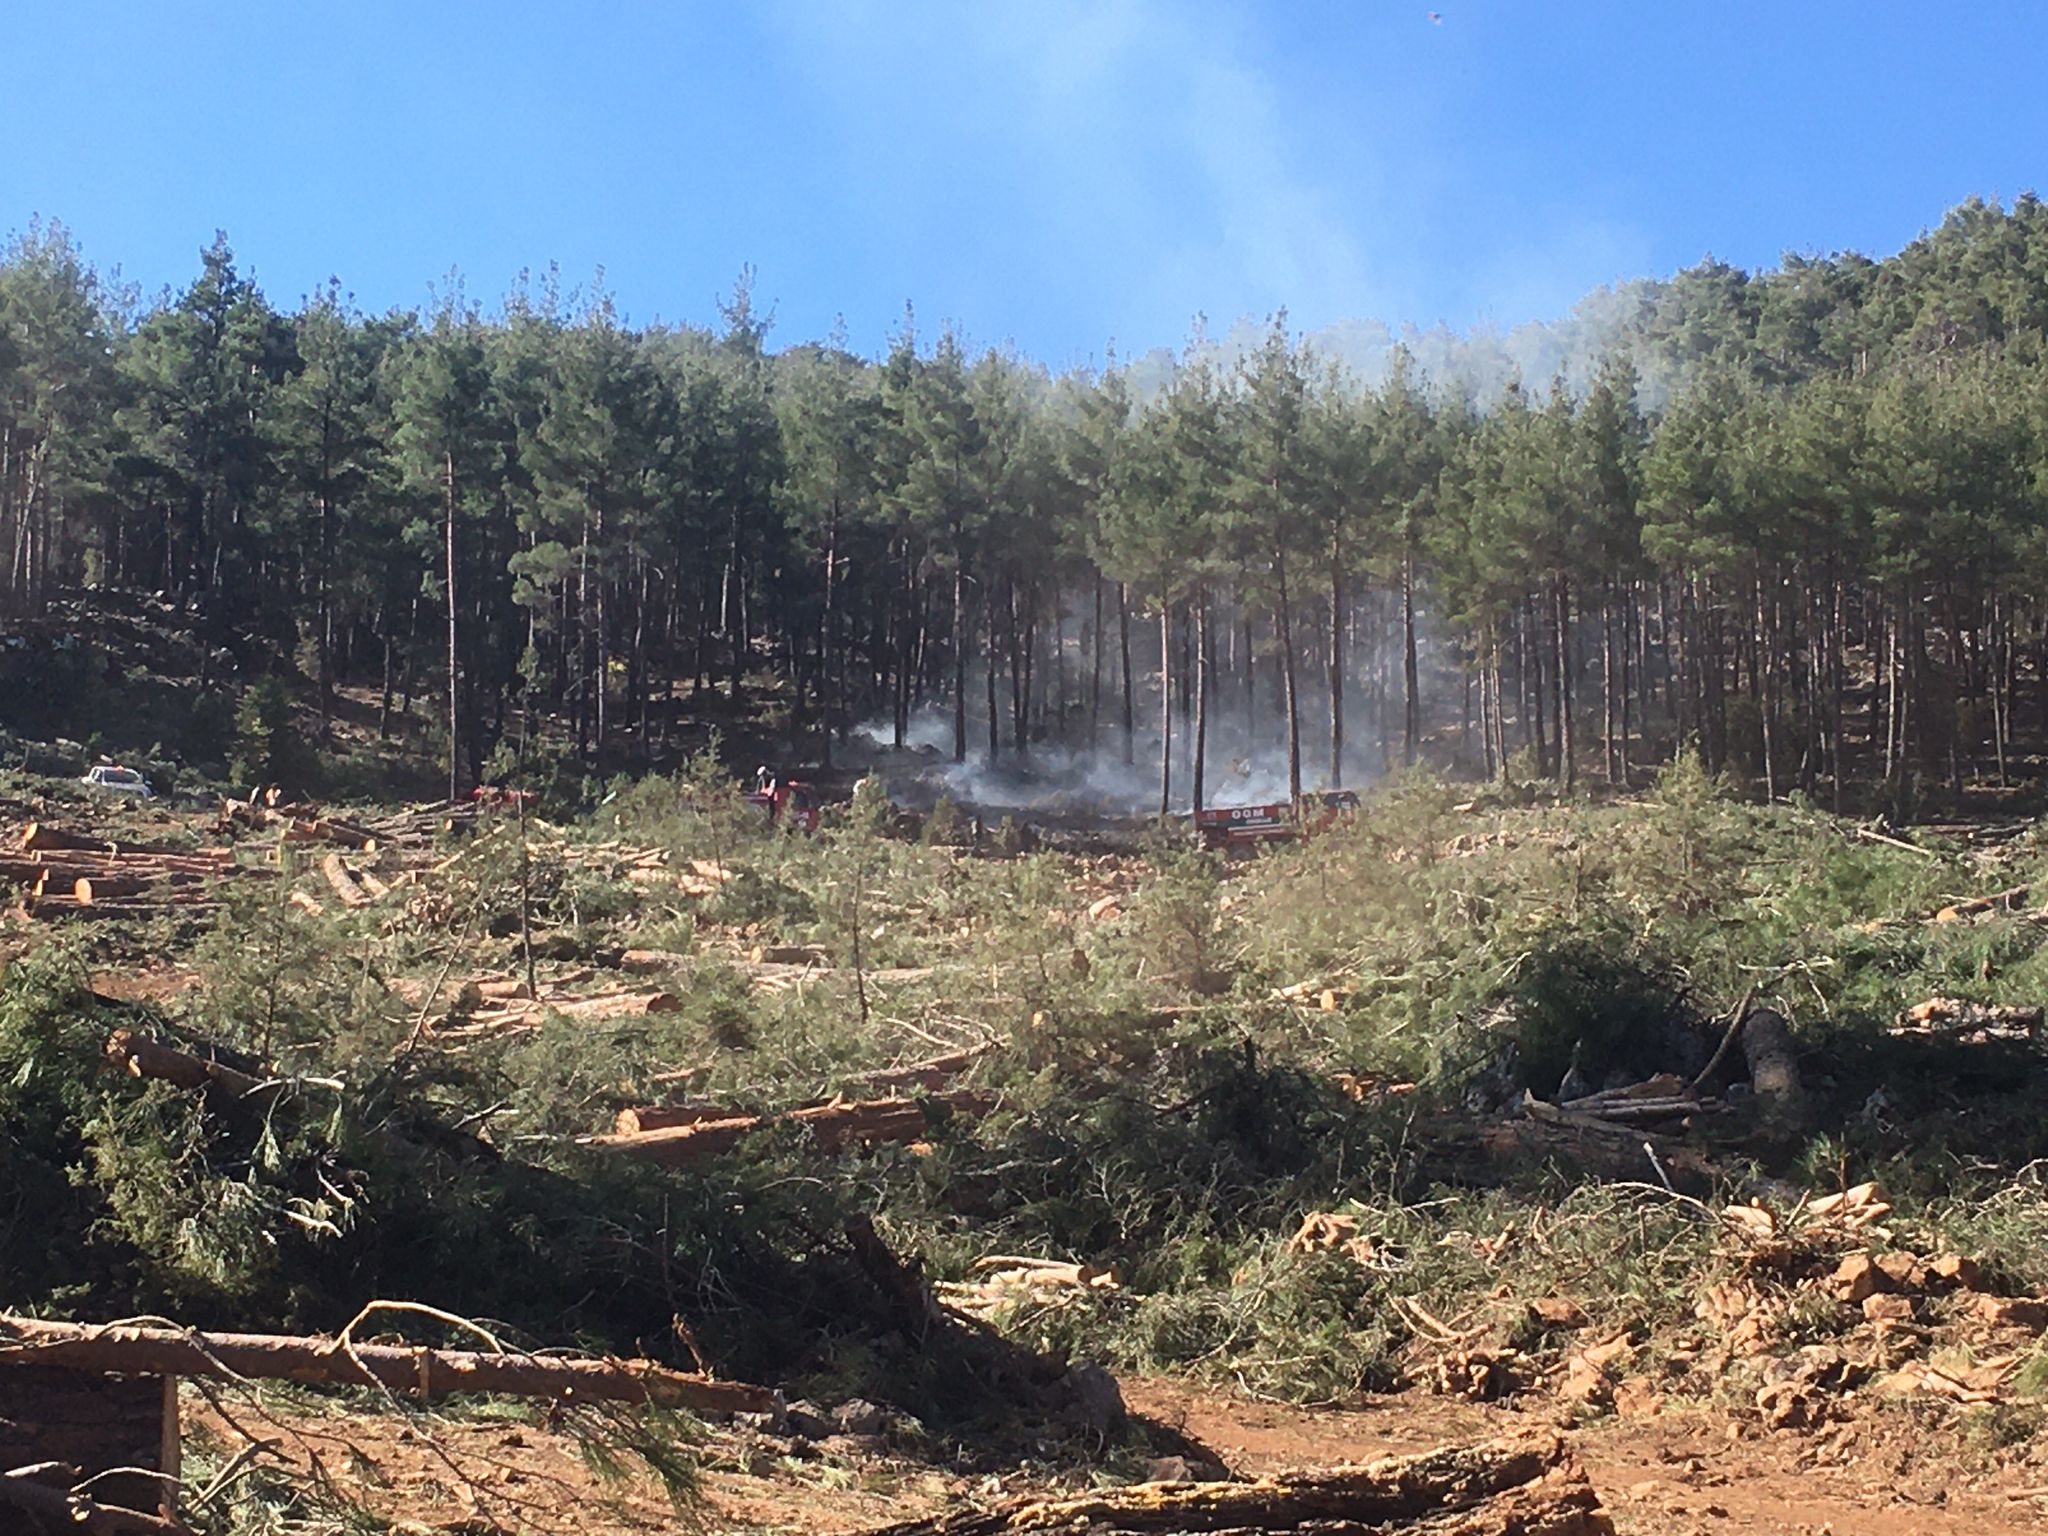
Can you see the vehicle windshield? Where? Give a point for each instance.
(119, 776)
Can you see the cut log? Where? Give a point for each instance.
(91, 889)
(144, 1057)
(614, 1005)
(320, 830)
(414, 1370)
(20, 871)
(1973, 906)
(666, 1117)
(341, 879)
(134, 907)
(786, 954)
(1526, 1486)
(835, 1125)
(41, 836)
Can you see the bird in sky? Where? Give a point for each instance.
(1437, 17)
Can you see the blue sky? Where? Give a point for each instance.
(1058, 174)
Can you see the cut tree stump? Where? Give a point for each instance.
(1774, 1071)
(417, 1371)
(1527, 1486)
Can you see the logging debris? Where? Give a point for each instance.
(1006, 1280)
(1969, 1023)
(1524, 1485)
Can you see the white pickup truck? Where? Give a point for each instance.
(119, 781)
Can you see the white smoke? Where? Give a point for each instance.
(1058, 780)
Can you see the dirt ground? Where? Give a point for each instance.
(1676, 1472)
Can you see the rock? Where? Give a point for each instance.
(1953, 1269)
(1857, 1277)
(1586, 1383)
(858, 1416)
(1557, 1312)
(1181, 1469)
(1095, 1401)
(1637, 1399)
(1888, 1307)
(1789, 1405)
(1905, 1271)
(802, 1420)
(2028, 1312)
(1608, 1352)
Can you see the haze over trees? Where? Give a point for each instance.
(1795, 517)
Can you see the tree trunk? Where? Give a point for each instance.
(1287, 677)
(454, 655)
(1336, 655)
(1095, 668)
(960, 661)
(1201, 696)
(1165, 707)
(1567, 754)
(1123, 626)
(1411, 688)
(988, 674)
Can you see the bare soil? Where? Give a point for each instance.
(1676, 1471)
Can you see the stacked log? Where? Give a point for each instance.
(1514, 1487)
(421, 824)
(61, 872)
(296, 828)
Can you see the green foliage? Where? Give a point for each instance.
(267, 747)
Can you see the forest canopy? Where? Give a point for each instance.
(1794, 517)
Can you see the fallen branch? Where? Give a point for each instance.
(61, 1509)
(117, 1347)
(836, 1125)
(932, 1073)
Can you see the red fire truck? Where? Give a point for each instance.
(1235, 827)
(785, 802)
